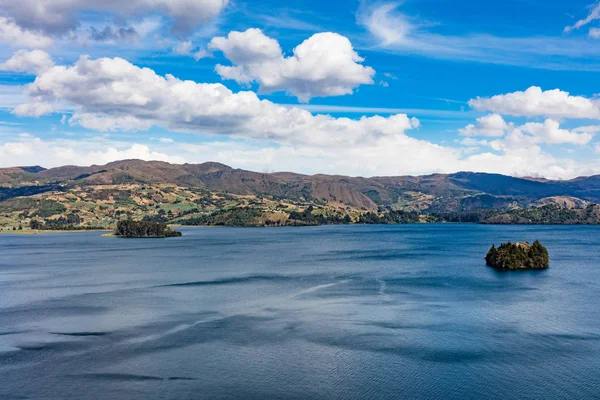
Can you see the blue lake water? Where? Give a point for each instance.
(348, 312)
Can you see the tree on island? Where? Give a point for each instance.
(512, 256)
(144, 229)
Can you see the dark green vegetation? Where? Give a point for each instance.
(390, 217)
(70, 222)
(142, 229)
(214, 194)
(249, 216)
(308, 217)
(9, 193)
(244, 216)
(518, 256)
(549, 215)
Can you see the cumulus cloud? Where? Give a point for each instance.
(201, 53)
(186, 48)
(35, 21)
(33, 109)
(14, 35)
(490, 125)
(397, 155)
(533, 134)
(33, 62)
(29, 150)
(113, 94)
(113, 34)
(587, 129)
(472, 142)
(323, 65)
(535, 102)
(524, 136)
(549, 132)
(183, 48)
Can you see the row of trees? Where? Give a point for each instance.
(550, 214)
(307, 217)
(249, 216)
(390, 217)
(236, 216)
(476, 217)
(70, 222)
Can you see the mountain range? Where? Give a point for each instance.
(448, 192)
(429, 194)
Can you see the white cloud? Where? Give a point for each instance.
(201, 53)
(397, 155)
(594, 33)
(472, 142)
(147, 25)
(113, 34)
(34, 21)
(183, 48)
(549, 132)
(587, 129)
(29, 150)
(14, 35)
(532, 134)
(395, 31)
(33, 109)
(106, 123)
(392, 28)
(247, 47)
(112, 94)
(165, 140)
(535, 102)
(186, 48)
(34, 62)
(490, 125)
(323, 65)
(592, 16)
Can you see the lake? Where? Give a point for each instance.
(344, 312)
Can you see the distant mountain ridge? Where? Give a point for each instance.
(462, 191)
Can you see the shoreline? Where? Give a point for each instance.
(110, 232)
(42, 232)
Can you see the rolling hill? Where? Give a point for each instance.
(143, 183)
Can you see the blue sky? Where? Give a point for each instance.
(352, 87)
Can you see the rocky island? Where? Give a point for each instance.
(518, 256)
(144, 229)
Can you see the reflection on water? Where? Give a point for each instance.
(329, 312)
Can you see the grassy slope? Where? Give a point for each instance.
(101, 195)
(103, 205)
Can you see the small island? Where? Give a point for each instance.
(144, 229)
(518, 256)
